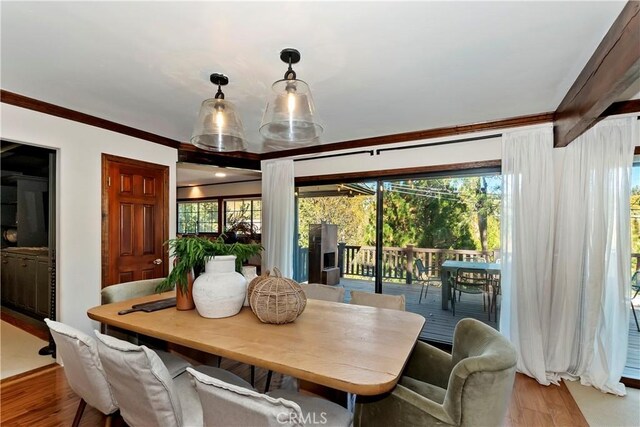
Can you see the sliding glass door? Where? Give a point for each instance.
(429, 220)
(336, 235)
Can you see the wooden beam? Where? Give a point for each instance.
(622, 107)
(239, 159)
(612, 69)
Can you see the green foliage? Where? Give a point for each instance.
(192, 253)
(350, 214)
(445, 213)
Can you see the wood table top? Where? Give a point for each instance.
(356, 349)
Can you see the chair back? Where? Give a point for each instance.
(323, 292)
(140, 383)
(394, 302)
(635, 280)
(128, 290)
(481, 381)
(82, 366)
(225, 404)
(471, 281)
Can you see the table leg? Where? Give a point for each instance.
(444, 277)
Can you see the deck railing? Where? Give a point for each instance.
(399, 263)
(360, 260)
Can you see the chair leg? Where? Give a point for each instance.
(266, 387)
(453, 301)
(219, 361)
(633, 310)
(253, 375)
(109, 420)
(79, 412)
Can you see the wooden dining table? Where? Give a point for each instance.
(352, 348)
(449, 268)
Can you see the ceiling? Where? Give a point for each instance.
(374, 68)
(191, 174)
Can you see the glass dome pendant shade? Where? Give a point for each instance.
(219, 127)
(290, 113)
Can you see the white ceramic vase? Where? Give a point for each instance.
(220, 291)
(249, 273)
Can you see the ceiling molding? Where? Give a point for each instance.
(622, 107)
(242, 160)
(415, 135)
(343, 178)
(185, 151)
(613, 68)
(22, 101)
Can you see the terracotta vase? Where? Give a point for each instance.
(184, 300)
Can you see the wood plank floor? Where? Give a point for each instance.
(45, 399)
(440, 323)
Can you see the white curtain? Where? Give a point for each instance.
(591, 273)
(278, 215)
(527, 244)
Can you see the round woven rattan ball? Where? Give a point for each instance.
(276, 299)
(254, 282)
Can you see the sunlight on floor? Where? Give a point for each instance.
(19, 351)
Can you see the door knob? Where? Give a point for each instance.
(157, 261)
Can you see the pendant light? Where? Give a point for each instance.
(219, 127)
(289, 115)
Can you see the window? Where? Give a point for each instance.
(248, 211)
(198, 217)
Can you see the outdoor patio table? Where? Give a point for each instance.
(356, 349)
(449, 268)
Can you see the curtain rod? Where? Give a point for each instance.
(370, 152)
(409, 147)
(432, 144)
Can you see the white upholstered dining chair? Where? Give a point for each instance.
(323, 292)
(394, 302)
(147, 393)
(83, 369)
(228, 405)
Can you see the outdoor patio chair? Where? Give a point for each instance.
(635, 286)
(426, 276)
(472, 282)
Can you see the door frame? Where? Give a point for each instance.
(107, 159)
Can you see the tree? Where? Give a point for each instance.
(349, 213)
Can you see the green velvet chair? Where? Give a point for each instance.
(471, 387)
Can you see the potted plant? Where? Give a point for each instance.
(191, 253)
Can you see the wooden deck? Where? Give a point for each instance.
(440, 323)
(632, 368)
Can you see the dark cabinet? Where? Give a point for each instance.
(26, 278)
(8, 273)
(25, 281)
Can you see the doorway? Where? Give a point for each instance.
(135, 213)
(28, 243)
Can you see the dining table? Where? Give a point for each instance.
(352, 348)
(449, 269)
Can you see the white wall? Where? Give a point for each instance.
(80, 148)
(221, 190)
(472, 151)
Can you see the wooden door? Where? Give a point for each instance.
(135, 214)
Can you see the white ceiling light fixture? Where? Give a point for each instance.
(219, 174)
(290, 111)
(219, 127)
